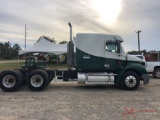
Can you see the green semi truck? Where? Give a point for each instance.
(98, 59)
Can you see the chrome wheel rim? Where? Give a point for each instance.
(130, 81)
(9, 81)
(36, 80)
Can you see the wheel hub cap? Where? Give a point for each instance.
(9, 81)
(130, 81)
(36, 80)
(158, 73)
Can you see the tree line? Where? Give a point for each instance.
(50, 39)
(7, 51)
(144, 52)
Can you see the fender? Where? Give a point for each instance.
(139, 69)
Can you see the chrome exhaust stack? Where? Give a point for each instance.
(70, 50)
(70, 31)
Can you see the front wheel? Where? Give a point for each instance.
(130, 81)
(156, 73)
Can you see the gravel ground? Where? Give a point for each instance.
(70, 101)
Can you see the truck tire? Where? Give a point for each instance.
(37, 80)
(130, 81)
(10, 81)
(156, 73)
(23, 82)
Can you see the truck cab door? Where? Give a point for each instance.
(112, 55)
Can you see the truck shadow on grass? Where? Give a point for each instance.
(76, 87)
(98, 87)
(72, 87)
(61, 87)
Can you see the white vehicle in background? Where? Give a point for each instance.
(152, 64)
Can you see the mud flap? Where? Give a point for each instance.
(146, 78)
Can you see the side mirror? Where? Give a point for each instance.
(118, 47)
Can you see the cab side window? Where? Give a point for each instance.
(111, 47)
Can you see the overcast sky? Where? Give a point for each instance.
(51, 17)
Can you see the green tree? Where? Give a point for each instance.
(15, 48)
(134, 52)
(47, 38)
(63, 42)
(1, 49)
(7, 51)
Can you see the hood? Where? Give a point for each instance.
(133, 58)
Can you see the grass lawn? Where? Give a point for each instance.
(12, 60)
(10, 65)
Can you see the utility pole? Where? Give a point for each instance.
(25, 36)
(138, 40)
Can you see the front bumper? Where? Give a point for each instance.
(146, 78)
